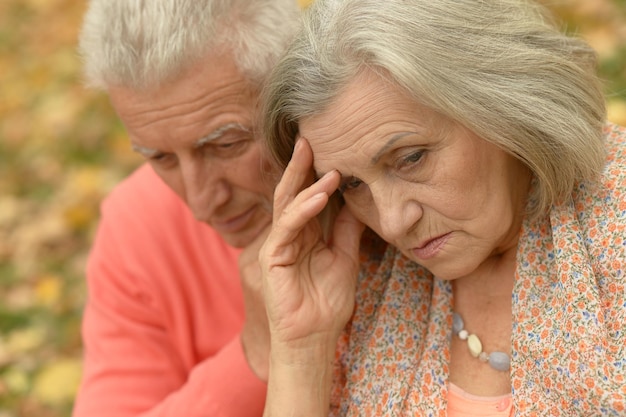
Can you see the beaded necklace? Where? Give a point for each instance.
(499, 361)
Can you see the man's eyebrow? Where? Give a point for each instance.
(218, 133)
(146, 152)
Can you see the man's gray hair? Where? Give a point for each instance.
(143, 43)
(501, 68)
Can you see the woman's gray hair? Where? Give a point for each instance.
(143, 43)
(500, 68)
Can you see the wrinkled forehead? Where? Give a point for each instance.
(368, 118)
(354, 126)
(368, 101)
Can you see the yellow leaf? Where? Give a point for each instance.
(48, 290)
(16, 380)
(616, 112)
(79, 216)
(86, 181)
(10, 210)
(24, 340)
(58, 382)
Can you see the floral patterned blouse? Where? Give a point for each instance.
(569, 316)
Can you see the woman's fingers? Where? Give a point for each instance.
(297, 175)
(347, 232)
(298, 182)
(297, 201)
(309, 202)
(288, 236)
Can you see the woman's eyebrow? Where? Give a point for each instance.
(378, 155)
(387, 145)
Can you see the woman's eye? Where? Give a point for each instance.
(411, 159)
(350, 184)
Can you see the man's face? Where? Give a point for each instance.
(197, 132)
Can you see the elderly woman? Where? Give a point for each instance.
(471, 136)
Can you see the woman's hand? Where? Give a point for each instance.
(309, 288)
(309, 283)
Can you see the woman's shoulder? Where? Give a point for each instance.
(613, 177)
(600, 205)
(615, 145)
(606, 195)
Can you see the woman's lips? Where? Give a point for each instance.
(431, 247)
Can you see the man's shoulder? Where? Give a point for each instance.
(143, 223)
(142, 207)
(152, 259)
(142, 190)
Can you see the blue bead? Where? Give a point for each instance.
(499, 361)
(457, 323)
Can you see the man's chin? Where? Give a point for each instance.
(242, 232)
(237, 240)
(244, 238)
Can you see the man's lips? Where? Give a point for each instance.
(431, 247)
(234, 224)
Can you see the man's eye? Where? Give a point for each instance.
(229, 149)
(162, 160)
(350, 184)
(226, 145)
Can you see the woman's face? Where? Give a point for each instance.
(446, 198)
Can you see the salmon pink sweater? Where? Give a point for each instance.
(162, 322)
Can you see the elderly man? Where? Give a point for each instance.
(174, 324)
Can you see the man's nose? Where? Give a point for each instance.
(206, 189)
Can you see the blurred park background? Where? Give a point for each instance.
(62, 150)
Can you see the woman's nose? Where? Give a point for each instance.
(398, 211)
